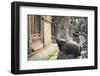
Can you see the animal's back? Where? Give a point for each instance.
(71, 48)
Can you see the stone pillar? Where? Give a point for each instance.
(47, 30)
(63, 27)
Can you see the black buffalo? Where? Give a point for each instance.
(68, 49)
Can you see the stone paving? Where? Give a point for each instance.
(49, 53)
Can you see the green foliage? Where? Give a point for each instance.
(54, 53)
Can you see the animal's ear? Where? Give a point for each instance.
(60, 42)
(63, 42)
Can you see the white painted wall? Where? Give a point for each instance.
(5, 39)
